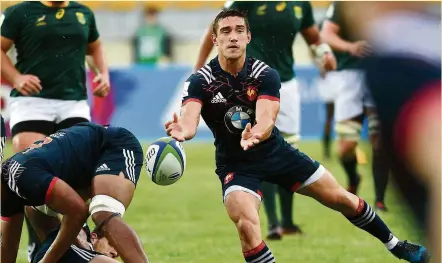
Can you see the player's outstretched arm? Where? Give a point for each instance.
(64, 200)
(184, 128)
(10, 238)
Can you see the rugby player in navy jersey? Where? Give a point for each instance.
(101, 163)
(93, 247)
(238, 97)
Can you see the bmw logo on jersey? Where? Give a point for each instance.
(237, 117)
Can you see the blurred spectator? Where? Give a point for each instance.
(152, 44)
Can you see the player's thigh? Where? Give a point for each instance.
(349, 101)
(292, 169)
(327, 191)
(288, 119)
(241, 195)
(25, 109)
(68, 109)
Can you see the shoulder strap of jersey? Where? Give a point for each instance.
(257, 67)
(206, 72)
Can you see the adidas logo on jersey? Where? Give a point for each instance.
(102, 167)
(218, 98)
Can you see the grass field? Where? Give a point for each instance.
(186, 222)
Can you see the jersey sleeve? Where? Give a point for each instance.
(270, 85)
(11, 23)
(192, 90)
(93, 30)
(308, 19)
(11, 204)
(331, 13)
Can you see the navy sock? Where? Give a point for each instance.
(369, 221)
(260, 254)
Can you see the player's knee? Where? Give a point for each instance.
(342, 201)
(247, 228)
(348, 131)
(374, 131)
(103, 206)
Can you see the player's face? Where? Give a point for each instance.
(232, 37)
(102, 246)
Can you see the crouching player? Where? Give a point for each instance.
(94, 247)
(101, 163)
(246, 155)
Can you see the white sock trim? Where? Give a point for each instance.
(392, 243)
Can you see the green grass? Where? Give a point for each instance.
(186, 222)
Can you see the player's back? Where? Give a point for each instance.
(69, 154)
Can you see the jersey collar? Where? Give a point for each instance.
(49, 4)
(241, 74)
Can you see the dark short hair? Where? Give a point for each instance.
(99, 232)
(229, 13)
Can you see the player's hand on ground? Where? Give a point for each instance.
(248, 139)
(174, 129)
(27, 84)
(103, 88)
(360, 49)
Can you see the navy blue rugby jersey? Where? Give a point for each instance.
(229, 103)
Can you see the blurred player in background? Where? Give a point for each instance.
(404, 77)
(326, 92)
(248, 154)
(284, 20)
(86, 161)
(49, 80)
(352, 103)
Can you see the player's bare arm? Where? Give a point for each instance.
(25, 84)
(97, 63)
(63, 199)
(10, 238)
(205, 49)
(185, 127)
(330, 33)
(266, 112)
(321, 51)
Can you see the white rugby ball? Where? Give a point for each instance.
(165, 161)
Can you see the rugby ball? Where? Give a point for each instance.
(165, 161)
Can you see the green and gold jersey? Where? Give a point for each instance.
(344, 59)
(51, 44)
(274, 26)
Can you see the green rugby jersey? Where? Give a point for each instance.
(344, 59)
(51, 44)
(274, 26)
